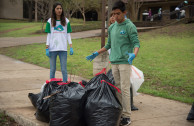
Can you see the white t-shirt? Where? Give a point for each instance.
(58, 36)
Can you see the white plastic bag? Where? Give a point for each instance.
(137, 78)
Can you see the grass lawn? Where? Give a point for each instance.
(21, 28)
(166, 57)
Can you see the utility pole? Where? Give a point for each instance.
(103, 24)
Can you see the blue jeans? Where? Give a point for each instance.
(63, 63)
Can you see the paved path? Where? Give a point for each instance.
(15, 41)
(17, 79)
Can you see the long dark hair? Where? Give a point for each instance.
(54, 17)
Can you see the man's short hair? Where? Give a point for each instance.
(119, 5)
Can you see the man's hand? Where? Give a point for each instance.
(47, 52)
(91, 57)
(131, 57)
(71, 51)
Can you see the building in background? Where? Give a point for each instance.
(11, 9)
(19, 9)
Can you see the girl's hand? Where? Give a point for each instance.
(71, 51)
(47, 52)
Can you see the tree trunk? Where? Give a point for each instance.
(84, 17)
(30, 10)
(50, 7)
(134, 9)
(36, 11)
(42, 26)
(67, 13)
(103, 24)
(84, 12)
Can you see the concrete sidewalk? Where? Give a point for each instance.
(17, 79)
(15, 41)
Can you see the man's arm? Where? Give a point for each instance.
(91, 57)
(102, 50)
(136, 50)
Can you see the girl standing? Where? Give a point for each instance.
(111, 19)
(58, 29)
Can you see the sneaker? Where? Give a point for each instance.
(133, 108)
(125, 122)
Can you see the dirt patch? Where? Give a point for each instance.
(15, 29)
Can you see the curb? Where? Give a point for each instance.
(21, 120)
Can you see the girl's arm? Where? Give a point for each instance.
(69, 40)
(48, 40)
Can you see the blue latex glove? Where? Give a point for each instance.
(91, 57)
(47, 52)
(131, 57)
(71, 51)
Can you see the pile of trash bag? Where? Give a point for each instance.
(190, 116)
(92, 103)
(33, 98)
(102, 106)
(66, 107)
(42, 105)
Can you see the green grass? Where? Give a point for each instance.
(21, 28)
(167, 63)
(165, 57)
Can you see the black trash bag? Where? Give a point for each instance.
(191, 113)
(66, 107)
(43, 116)
(102, 108)
(33, 98)
(96, 82)
(42, 113)
(110, 76)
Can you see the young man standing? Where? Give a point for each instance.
(124, 44)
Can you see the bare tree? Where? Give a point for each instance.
(80, 4)
(134, 6)
(43, 10)
(37, 7)
(85, 5)
(69, 7)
